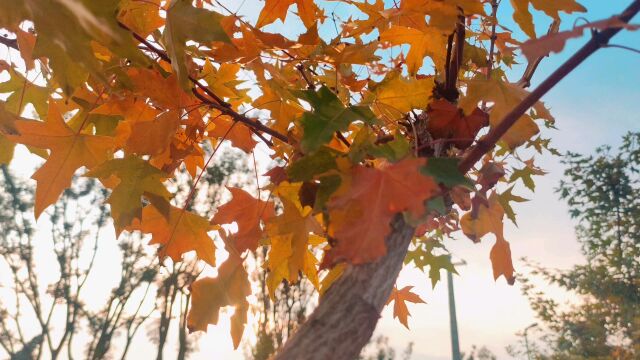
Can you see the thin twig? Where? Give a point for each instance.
(525, 80)
(218, 103)
(492, 45)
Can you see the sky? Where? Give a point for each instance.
(595, 105)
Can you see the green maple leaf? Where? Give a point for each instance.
(65, 30)
(505, 200)
(445, 171)
(185, 22)
(328, 116)
(365, 144)
(314, 164)
(437, 263)
(24, 92)
(137, 178)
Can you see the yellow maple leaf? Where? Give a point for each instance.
(290, 239)
(396, 95)
(524, 19)
(504, 96)
(143, 17)
(423, 42)
(223, 81)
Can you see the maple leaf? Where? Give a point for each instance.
(136, 177)
(289, 234)
(185, 22)
(154, 136)
(445, 171)
(362, 210)
(7, 121)
(223, 81)
(66, 30)
(446, 121)
(164, 92)
(505, 96)
(26, 44)
(525, 174)
(366, 143)
(143, 17)
(396, 95)
(7, 127)
(246, 211)
(505, 200)
(487, 218)
(224, 127)
(277, 9)
(6, 150)
(377, 18)
(329, 116)
(177, 233)
(24, 92)
(208, 295)
(284, 110)
(423, 256)
(423, 42)
(400, 299)
(69, 151)
(555, 42)
(501, 261)
(524, 19)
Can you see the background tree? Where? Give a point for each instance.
(603, 194)
(278, 316)
(476, 353)
(146, 295)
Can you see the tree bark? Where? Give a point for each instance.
(347, 314)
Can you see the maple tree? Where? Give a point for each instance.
(371, 147)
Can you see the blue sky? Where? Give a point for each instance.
(594, 105)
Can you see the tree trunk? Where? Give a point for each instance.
(347, 314)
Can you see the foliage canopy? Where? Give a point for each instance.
(363, 122)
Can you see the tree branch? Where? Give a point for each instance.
(218, 104)
(598, 41)
(11, 43)
(492, 45)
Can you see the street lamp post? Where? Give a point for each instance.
(455, 342)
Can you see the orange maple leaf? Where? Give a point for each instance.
(208, 295)
(182, 231)
(446, 121)
(246, 211)
(69, 151)
(277, 9)
(400, 297)
(239, 135)
(484, 219)
(362, 211)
